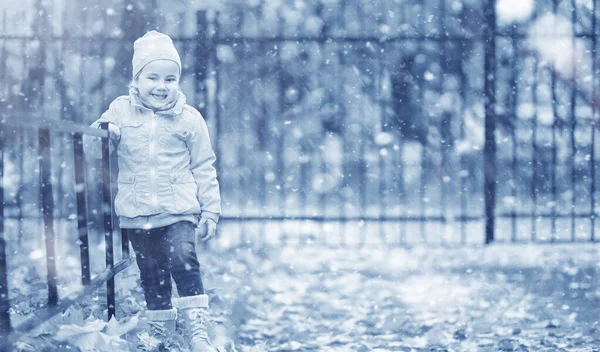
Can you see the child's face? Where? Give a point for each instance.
(158, 83)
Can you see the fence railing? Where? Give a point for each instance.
(55, 304)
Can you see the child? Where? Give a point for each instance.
(167, 186)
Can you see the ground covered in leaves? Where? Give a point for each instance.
(312, 298)
(506, 298)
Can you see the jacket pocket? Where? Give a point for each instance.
(184, 191)
(132, 137)
(178, 128)
(125, 201)
(174, 134)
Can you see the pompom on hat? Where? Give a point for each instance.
(153, 46)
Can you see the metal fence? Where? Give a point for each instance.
(8, 333)
(313, 128)
(357, 132)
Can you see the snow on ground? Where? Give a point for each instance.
(311, 297)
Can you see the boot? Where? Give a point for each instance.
(194, 310)
(161, 329)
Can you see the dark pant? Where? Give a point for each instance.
(162, 252)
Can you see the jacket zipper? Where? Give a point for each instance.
(153, 163)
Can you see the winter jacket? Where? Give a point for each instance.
(165, 160)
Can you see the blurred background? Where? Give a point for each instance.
(335, 121)
(407, 133)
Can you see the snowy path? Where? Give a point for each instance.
(509, 298)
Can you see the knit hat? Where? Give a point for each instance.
(153, 46)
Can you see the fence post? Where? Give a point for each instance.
(489, 87)
(80, 189)
(47, 201)
(107, 209)
(5, 327)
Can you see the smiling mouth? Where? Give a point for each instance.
(159, 96)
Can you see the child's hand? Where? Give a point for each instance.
(113, 130)
(207, 228)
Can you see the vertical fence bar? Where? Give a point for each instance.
(213, 69)
(22, 136)
(80, 190)
(424, 165)
(321, 237)
(447, 218)
(534, 156)
(402, 212)
(204, 54)
(363, 165)
(489, 30)
(303, 185)
(48, 212)
(513, 109)
(462, 176)
(424, 144)
(201, 63)
(445, 129)
(263, 181)
(103, 55)
(383, 152)
(23, 147)
(242, 177)
(534, 149)
(282, 191)
(346, 169)
(107, 209)
(3, 66)
(556, 116)
(382, 199)
(5, 327)
(513, 186)
(349, 194)
(22, 140)
(81, 79)
(60, 67)
(553, 188)
(573, 124)
(594, 126)
(243, 180)
(282, 110)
